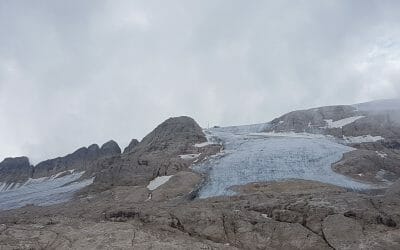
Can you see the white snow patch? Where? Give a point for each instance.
(381, 154)
(362, 139)
(61, 173)
(158, 181)
(203, 144)
(265, 216)
(341, 123)
(189, 156)
(280, 122)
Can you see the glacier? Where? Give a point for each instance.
(43, 191)
(251, 156)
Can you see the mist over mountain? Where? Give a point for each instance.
(109, 69)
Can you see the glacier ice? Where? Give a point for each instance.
(251, 156)
(43, 191)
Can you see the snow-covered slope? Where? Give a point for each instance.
(251, 156)
(43, 191)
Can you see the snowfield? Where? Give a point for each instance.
(341, 123)
(158, 181)
(250, 156)
(43, 191)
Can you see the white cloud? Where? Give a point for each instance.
(72, 74)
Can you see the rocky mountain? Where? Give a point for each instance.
(345, 122)
(80, 160)
(60, 174)
(157, 154)
(131, 146)
(14, 171)
(324, 178)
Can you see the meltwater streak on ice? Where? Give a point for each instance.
(251, 157)
(43, 191)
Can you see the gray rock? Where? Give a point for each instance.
(15, 170)
(156, 155)
(131, 146)
(81, 160)
(342, 232)
(385, 123)
(110, 148)
(378, 165)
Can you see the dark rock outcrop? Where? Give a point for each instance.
(131, 146)
(110, 148)
(15, 170)
(82, 159)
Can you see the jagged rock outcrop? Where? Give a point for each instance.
(131, 146)
(81, 160)
(15, 170)
(110, 148)
(156, 155)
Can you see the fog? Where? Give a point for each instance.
(73, 73)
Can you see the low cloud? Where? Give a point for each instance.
(74, 73)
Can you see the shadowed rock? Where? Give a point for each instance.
(15, 170)
(110, 148)
(81, 160)
(131, 146)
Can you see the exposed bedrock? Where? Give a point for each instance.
(80, 160)
(384, 123)
(15, 170)
(157, 154)
(131, 146)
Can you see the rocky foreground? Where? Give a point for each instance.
(147, 197)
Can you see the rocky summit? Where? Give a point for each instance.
(322, 178)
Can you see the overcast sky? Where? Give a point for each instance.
(77, 72)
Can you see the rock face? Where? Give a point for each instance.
(156, 155)
(82, 159)
(131, 146)
(340, 121)
(373, 162)
(15, 170)
(110, 148)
